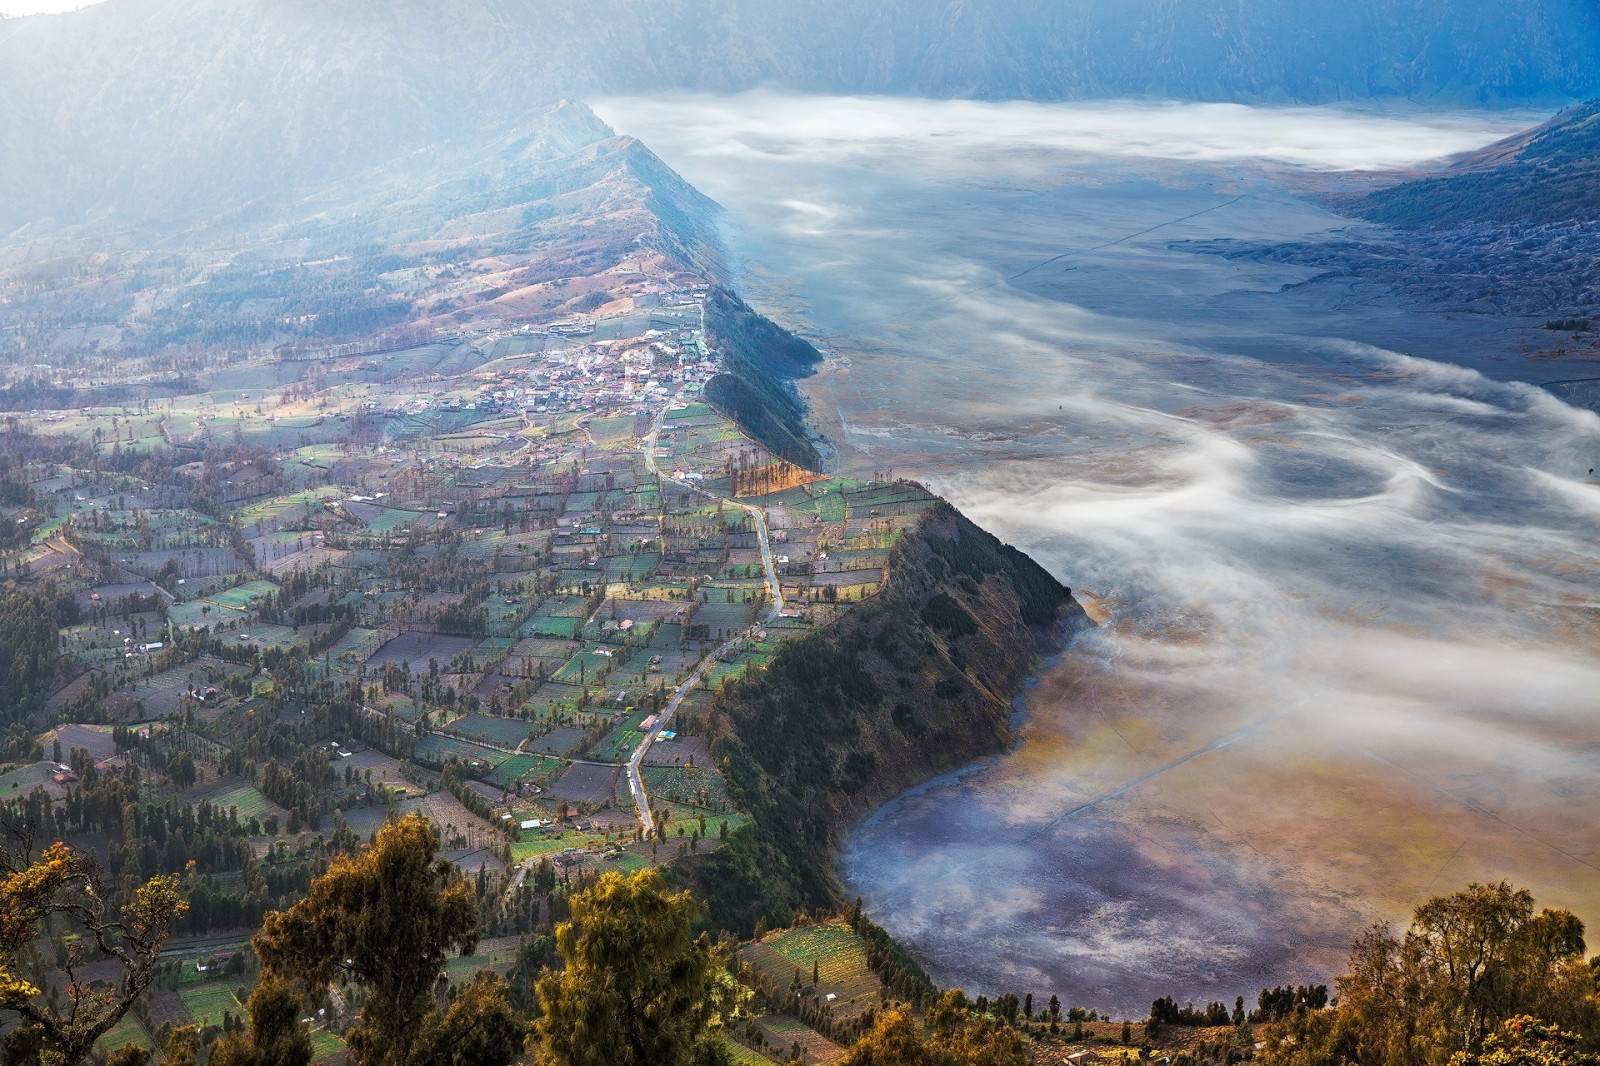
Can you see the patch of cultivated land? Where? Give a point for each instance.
(840, 958)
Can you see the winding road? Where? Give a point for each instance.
(641, 799)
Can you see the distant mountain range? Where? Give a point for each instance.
(1548, 175)
(147, 110)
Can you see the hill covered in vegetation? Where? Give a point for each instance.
(911, 684)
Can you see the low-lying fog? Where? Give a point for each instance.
(1347, 562)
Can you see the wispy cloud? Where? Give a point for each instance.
(1354, 591)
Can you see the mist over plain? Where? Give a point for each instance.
(1343, 548)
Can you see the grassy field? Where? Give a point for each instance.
(544, 626)
(126, 1031)
(241, 596)
(548, 843)
(247, 798)
(532, 767)
(207, 1000)
(22, 779)
(628, 862)
(324, 1045)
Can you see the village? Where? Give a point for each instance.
(526, 557)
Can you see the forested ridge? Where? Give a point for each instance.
(760, 361)
(912, 683)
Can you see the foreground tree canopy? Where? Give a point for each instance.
(63, 886)
(637, 988)
(1449, 988)
(386, 922)
(1479, 978)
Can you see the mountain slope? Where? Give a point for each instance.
(1548, 175)
(155, 102)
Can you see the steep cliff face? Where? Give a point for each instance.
(760, 361)
(914, 683)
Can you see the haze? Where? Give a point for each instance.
(1350, 652)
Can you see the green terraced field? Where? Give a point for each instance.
(249, 800)
(743, 1056)
(205, 1002)
(294, 505)
(840, 954)
(393, 520)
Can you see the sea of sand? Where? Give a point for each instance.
(1343, 549)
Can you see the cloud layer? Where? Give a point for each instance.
(1351, 584)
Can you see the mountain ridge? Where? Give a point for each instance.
(147, 96)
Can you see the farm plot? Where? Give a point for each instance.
(491, 649)
(848, 578)
(206, 1001)
(96, 740)
(24, 779)
(679, 751)
(631, 567)
(562, 740)
(537, 648)
(435, 750)
(542, 625)
(506, 732)
(725, 617)
(784, 1032)
(415, 649)
(585, 782)
(355, 647)
(325, 1044)
(740, 1055)
(695, 786)
(263, 636)
(581, 668)
(445, 811)
(381, 520)
(128, 1030)
(242, 597)
(535, 768)
(622, 739)
(247, 798)
(550, 843)
(629, 862)
(497, 954)
(840, 957)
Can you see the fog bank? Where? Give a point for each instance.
(1346, 557)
